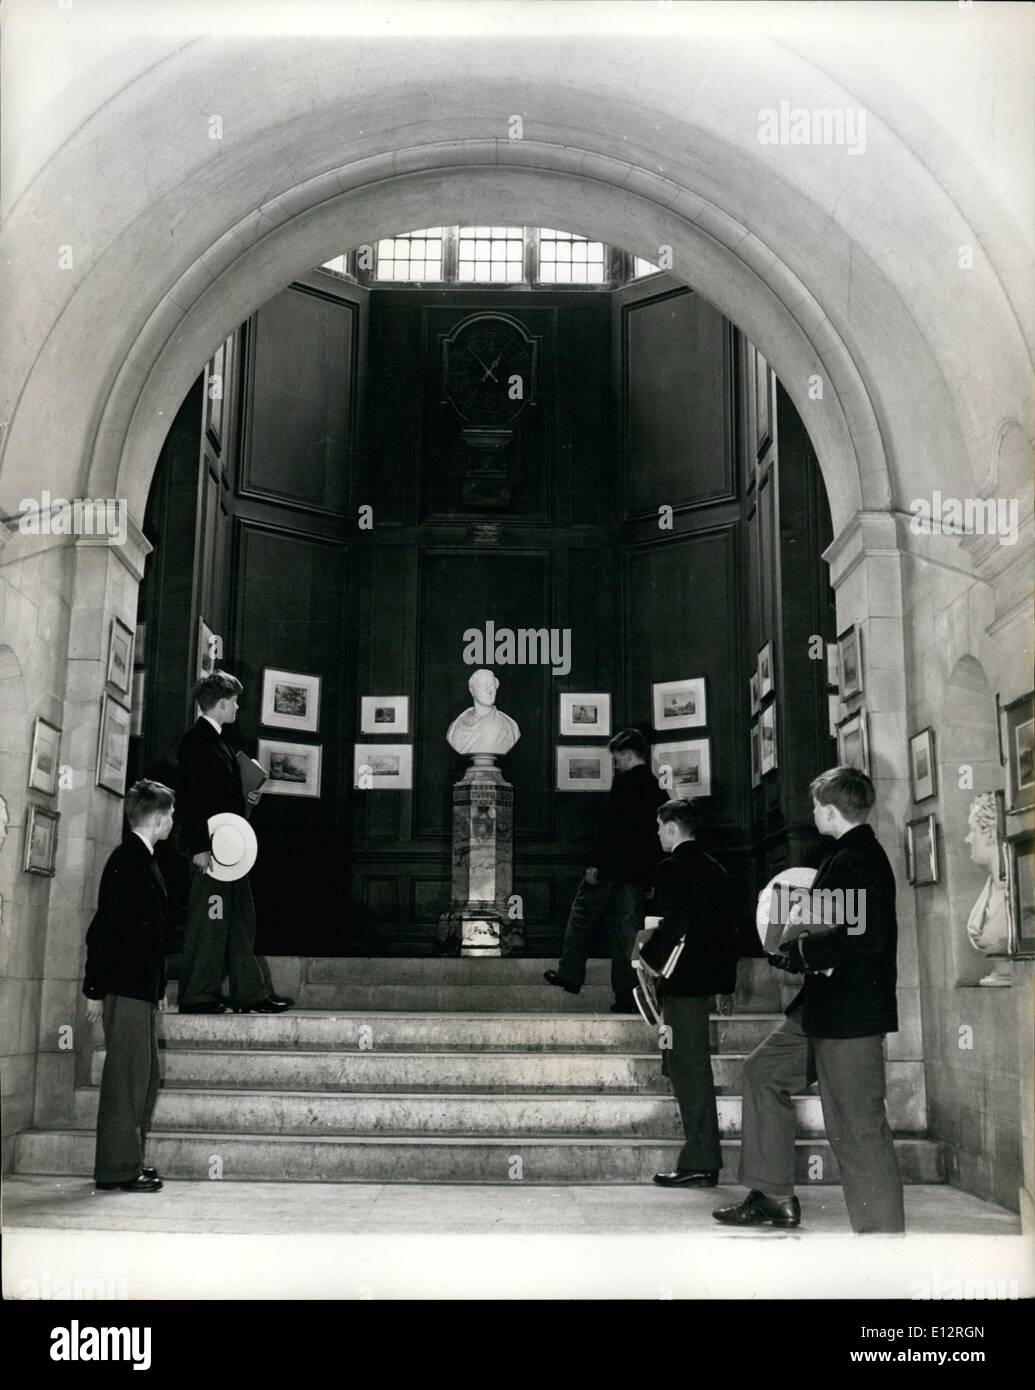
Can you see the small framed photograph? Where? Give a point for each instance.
(756, 700)
(766, 675)
(587, 716)
(1018, 721)
(210, 650)
(384, 714)
(756, 754)
(120, 656)
(136, 723)
(44, 759)
(688, 765)
(922, 851)
(921, 764)
(290, 701)
(680, 704)
(767, 736)
(833, 714)
(853, 742)
(1020, 887)
(833, 668)
(383, 767)
(293, 769)
(113, 745)
(583, 769)
(849, 662)
(41, 827)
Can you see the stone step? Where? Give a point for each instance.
(376, 1159)
(415, 1032)
(454, 998)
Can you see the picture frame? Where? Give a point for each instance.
(292, 769)
(587, 716)
(584, 768)
(849, 662)
(136, 708)
(753, 690)
(383, 767)
(679, 704)
(768, 761)
(756, 755)
(1020, 888)
(113, 745)
(120, 656)
(45, 757)
(209, 650)
(922, 771)
(922, 851)
(853, 742)
(766, 676)
(833, 666)
(690, 764)
(290, 700)
(1001, 836)
(833, 713)
(41, 832)
(140, 645)
(1018, 727)
(384, 714)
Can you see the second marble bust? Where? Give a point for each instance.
(482, 728)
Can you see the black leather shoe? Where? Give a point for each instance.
(687, 1177)
(757, 1209)
(142, 1183)
(284, 999)
(264, 1006)
(552, 978)
(146, 1172)
(211, 1008)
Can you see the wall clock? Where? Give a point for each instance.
(489, 370)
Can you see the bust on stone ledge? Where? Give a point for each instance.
(482, 729)
(988, 926)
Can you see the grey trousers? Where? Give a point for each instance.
(219, 942)
(129, 1088)
(688, 1065)
(850, 1072)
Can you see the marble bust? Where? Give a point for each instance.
(988, 926)
(482, 728)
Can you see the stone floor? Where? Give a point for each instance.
(298, 1240)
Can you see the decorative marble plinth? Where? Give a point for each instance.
(480, 919)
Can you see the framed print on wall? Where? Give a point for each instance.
(384, 714)
(756, 755)
(922, 851)
(766, 678)
(41, 828)
(290, 700)
(679, 704)
(921, 764)
(1018, 723)
(584, 769)
(690, 765)
(849, 662)
(1020, 887)
(383, 767)
(588, 716)
(753, 689)
(43, 760)
(853, 742)
(767, 739)
(833, 714)
(113, 745)
(293, 769)
(120, 656)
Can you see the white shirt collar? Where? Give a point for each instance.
(150, 846)
(211, 721)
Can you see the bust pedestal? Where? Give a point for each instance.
(478, 922)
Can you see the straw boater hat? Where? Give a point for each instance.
(233, 846)
(793, 878)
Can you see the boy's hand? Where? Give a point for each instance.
(253, 798)
(95, 1010)
(591, 875)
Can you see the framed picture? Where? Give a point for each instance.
(689, 764)
(293, 769)
(383, 767)
(583, 768)
(921, 764)
(849, 662)
(588, 716)
(113, 745)
(210, 650)
(1018, 721)
(680, 704)
(41, 828)
(766, 678)
(756, 755)
(1020, 887)
(120, 656)
(922, 851)
(853, 742)
(384, 714)
(756, 700)
(136, 721)
(140, 645)
(767, 737)
(43, 761)
(833, 714)
(833, 667)
(290, 701)
(1000, 835)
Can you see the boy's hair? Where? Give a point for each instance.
(144, 798)
(218, 685)
(684, 813)
(847, 789)
(629, 741)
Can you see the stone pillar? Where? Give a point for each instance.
(480, 920)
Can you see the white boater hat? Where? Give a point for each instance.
(771, 934)
(233, 846)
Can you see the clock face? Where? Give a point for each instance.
(489, 371)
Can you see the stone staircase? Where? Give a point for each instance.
(463, 1071)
